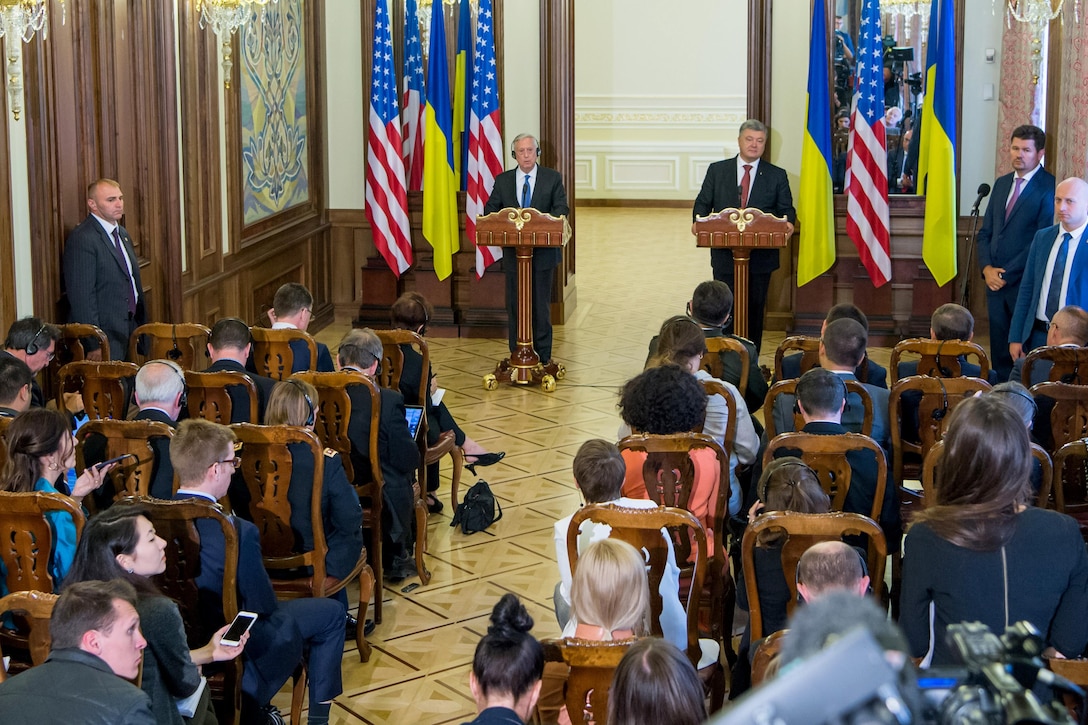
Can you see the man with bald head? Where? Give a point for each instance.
(1056, 273)
(830, 566)
(1069, 328)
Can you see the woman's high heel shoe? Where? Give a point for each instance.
(484, 459)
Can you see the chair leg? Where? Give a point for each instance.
(298, 693)
(421, 541)
(457, 456)
(366, 589)
(375, 551)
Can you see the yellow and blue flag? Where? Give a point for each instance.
(439, 181)
(815, 203)
(462, 69)
(937, 157)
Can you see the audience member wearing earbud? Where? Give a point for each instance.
(412, 312)
(294, 402)
(34, 342)
(981, 552)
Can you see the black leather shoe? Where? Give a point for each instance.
(350, 623)
(434, 506)
(484, 459)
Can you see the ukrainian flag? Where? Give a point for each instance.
(815, 205)
(937, 154)
(462, 69)
(439, 181)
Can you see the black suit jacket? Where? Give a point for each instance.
(239, 400)
(1006, 243)
(340, 510)
(300, 357)
(549, 196)
(769, 192)
(97, 284)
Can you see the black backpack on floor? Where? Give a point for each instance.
(477, 511)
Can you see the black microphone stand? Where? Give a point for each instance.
(965, 293)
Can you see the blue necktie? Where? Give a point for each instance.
(526, 197)
(1056, 277)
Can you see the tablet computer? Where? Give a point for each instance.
(414, 414)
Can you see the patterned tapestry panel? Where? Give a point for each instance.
(273, 108)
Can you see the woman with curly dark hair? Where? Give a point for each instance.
(412, 312)
(507, 667)
(981, 552)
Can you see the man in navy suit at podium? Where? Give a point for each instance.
(747, 181)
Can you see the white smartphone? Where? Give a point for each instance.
(238, 628)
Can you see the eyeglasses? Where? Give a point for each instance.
(235, 462)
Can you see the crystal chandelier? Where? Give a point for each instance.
(225, 17)
(19, 21)
(1037, 14)
(907, 10)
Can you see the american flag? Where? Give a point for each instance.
(484, 140)
(386, 198)
(867, 155)
(414, 93)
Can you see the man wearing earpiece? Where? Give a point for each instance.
(33, 342)
(530, 185)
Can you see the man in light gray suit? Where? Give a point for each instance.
(101, 271)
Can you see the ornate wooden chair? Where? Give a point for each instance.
(713, 388)
(185, 343)
(1076, 671)
(176, 523)
(809, 347)
(1065, 408)
(933, 457)
(267, 466)
(592, 665)
(800, 531)
(826, 455)
(1071, 482)
(392, 368)
(32, 609)
(789, 387)
(939, 358)
(764, 659)
(134, 475)
(69, 348)
(712, 361)
(1068, 365)
(272, 354)
(106, 386)
(209, 398)
(669, 475)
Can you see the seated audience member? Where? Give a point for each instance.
(361, 351)
(611, 601)
(981, 552)
(15, 386)
(656, 683)
(682, 343)
(842, 348)
(121, 544)
(34, 342)
(831, 566)
(710, 307)
(295, 402)
(1069, 328)
(787, 484)
(96, 646)
(662, 401)
(292, 309)
(41, 456)
(821, 398)
(229, 347)
(948, 322)
(507, 667)
(412, 312)
(877, 375)
(1019, 399)
(204, 458)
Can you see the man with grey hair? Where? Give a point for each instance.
(160, 394)
(361, 351)
(530, 185)
(747, 181)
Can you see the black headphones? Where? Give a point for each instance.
(1022, 394)
(945, 371)
(791, 482)
(426, 319)
(514, 154)
(32, 347)
(175, 352)
(940, 413)
(311, 419)
(183, 402)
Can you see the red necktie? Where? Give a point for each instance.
(745, 185)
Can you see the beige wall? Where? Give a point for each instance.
(346, 144)
(658, 95)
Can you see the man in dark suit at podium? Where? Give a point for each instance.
(101, 271)
(1022, 204)
(747, 181)
(530, 185)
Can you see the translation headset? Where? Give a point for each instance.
(426, 318)
(311, 419)
(940, 413)
(175, 352)
(1022, 394)
(792, 481)
(845, 396)
(514, 154)
(32, 347)
(944, 370)
(184, 401)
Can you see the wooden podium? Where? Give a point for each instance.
(523, 230)
(741, 230)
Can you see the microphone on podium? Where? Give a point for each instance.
(983, 192)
